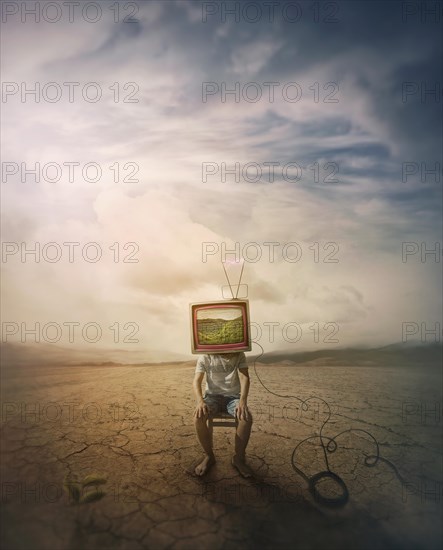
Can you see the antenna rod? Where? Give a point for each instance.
(239, 281)
(229, 283)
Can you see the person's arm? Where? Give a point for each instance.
(201, 408)
(242, 409)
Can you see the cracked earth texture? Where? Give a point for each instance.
(133, 426)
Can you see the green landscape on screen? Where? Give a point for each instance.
(220, 331)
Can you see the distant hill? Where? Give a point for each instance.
(391, 355)
(399, 354)
(35, 354)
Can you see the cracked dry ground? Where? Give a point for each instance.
(133, 425)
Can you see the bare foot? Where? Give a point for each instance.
(241, 466)
(204, 466)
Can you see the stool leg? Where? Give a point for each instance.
(211, 430)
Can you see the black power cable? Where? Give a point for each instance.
(331, 446)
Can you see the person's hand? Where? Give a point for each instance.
(242, 411)
(201, 410)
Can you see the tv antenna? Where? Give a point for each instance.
(238, 285)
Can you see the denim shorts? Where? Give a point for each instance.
(221, 403)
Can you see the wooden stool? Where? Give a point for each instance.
(222, 420)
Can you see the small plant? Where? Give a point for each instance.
(76, 490)
(79, 492)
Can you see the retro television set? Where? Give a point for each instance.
(220, 327)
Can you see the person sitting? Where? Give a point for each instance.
(227, 388)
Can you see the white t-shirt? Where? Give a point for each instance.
(222, 372)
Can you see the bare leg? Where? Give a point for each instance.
(204, 437)
(241, 442)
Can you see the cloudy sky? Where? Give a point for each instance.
(335, 97)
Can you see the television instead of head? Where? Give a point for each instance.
(220, 327)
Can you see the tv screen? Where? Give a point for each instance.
(220, 327)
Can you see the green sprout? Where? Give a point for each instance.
(76, 490)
